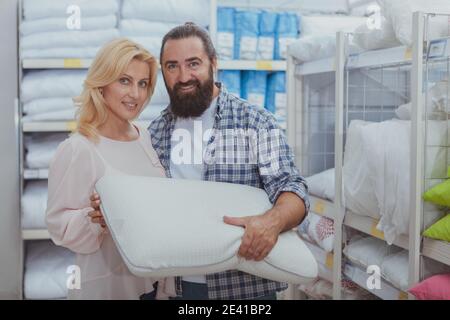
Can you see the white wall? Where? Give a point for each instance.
(10, 238)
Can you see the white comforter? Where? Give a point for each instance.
(45, 270)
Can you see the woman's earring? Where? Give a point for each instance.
(101, 91)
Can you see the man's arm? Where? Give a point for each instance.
(261, 232)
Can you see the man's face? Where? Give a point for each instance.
(188, 75)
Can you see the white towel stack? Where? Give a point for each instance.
(50, 30)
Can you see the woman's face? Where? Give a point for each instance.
(125, 97)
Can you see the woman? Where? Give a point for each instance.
(119, 84)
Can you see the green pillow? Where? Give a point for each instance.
(439, 194)
(440, 230)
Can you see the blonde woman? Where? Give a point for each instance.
(119, 84)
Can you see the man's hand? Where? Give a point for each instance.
(96, 215)
(261, 234)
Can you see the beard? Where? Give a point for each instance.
(194, 103)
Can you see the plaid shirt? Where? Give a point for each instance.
(234, 113)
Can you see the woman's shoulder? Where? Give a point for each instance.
(77, 145)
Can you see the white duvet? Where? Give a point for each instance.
(41, 149)
(144, 28)
(34, 204)
(45, 270)
(376, 172)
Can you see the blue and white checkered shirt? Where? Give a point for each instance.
(254, 166)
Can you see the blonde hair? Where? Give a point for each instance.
(109, 63)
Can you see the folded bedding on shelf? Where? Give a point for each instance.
(64, 39)
(45, 270)
(34, 205)
(175, 11)
(41, 149)
(60, 53)
(394, 269)
(144, 28)
(51, 84)
(60, 24)
(33, 9)
(59, 115)
(328, 24)
(48, 105)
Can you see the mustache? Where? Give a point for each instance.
(186, 84)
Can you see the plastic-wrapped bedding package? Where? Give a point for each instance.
(276, 93)
(175, 11)
(144, 28)
(287, 32)
(253, 86)
(266, 39)
(225, 33)
(67, 29)
(46, 269)
(232, 80)
(246, 34)
(34, 205)
(33, 10)
(41, 148)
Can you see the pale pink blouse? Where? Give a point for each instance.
(74, 170)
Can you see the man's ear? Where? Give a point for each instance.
(214, 64)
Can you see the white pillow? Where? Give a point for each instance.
(400, 13)
(369, 251)
(322, 184)
(170, 227)
(395, 269)
(328, 24)
(319, 230)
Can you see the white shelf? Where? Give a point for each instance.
(35, 234)
(386, 290)
(56, 63)
(437, 250)
(368, 226)
(261, 65)
(322, 207)
(30, 174)
(268, 65)
(58, 126)
(373, 58)
(315, 66)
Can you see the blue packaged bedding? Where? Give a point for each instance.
(266, 39)
(254, 85)
(287, 32)
(276, 94)
(232, 81)
(225, 33)
(246, 34)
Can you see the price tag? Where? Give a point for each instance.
(71, 126)
(72, 63)
(329, 261)
(402, 296)
(264, 65)
(408, 54)
(375, 232)
(319, 207)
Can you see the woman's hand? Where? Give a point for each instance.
(96, 215)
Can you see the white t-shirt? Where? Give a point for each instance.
(188, 145)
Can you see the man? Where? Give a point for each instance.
(188, 61)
